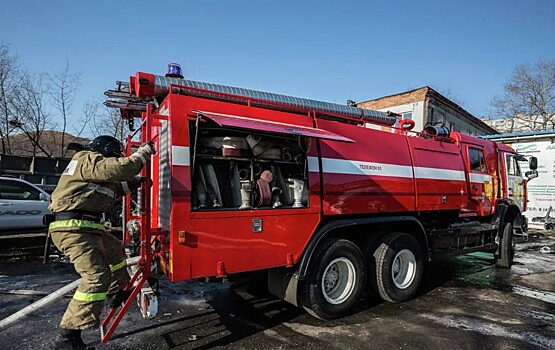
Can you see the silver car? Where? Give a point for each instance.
(22, 204)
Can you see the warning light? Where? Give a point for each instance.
(174, 71)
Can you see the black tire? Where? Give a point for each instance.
(404, 251)
(506, 248)
(335, 280)
(370, 247)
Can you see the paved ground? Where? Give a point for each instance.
(466, 303)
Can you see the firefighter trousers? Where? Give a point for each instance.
(99, 258)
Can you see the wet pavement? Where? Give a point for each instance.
(465, 303)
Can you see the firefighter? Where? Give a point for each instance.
(94, 179)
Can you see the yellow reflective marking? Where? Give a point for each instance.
(89, 296)
(75, 223)
(118, 266)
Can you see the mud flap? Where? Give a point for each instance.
(283, 285)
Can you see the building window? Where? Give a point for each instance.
(407, 115)
(451, 126)
(477, 160)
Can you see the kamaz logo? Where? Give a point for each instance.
(20, 212)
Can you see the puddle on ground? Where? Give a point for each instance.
(545, 296)
(477, 270)
(492, 329)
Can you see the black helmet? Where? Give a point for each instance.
(108, 146)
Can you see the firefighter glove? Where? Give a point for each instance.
(145, 151)
(141, 180)
(134, 184)
(147, 148)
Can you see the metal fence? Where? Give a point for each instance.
(42, 171)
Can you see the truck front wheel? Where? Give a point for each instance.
(335, 279)
(506, 247)
(397, 267)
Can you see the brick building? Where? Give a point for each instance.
(428, 107)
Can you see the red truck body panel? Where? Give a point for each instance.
(215, 239)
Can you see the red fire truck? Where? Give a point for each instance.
(306, 192)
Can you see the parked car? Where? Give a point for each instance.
(22, 204)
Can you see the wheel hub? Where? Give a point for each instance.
(331, 278)
(403, 269)
(338, 280)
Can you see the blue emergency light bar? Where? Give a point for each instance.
(174, 71)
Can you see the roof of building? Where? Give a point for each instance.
(528, 135)
(420, 94)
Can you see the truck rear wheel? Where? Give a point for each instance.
(397, 265)
(506, 247)
(335, 279)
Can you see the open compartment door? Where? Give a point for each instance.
(271, 126)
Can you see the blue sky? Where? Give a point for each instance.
(325, 50)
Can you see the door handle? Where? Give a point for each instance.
(5, 204)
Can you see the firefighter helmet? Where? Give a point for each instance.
(108, 146)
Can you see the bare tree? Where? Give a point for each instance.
(62, 88)
(9, 80)
(30, 114)
(528, 98)
(106, 121)
(89, 114)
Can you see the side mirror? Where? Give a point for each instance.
(533, 163)
(43, 197)
(532, 174)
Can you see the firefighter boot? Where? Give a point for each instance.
(246, 190)
(115, 300)
(70, 339)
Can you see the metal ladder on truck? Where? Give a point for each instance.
(149, 238)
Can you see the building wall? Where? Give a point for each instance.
(413, 110)
(395, 100)
(429, 107)
(441, 114)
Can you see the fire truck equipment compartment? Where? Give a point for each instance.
(272, 127)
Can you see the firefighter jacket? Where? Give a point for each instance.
(92, 182)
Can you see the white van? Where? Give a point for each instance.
(22, 204)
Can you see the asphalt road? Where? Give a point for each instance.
(465, 303)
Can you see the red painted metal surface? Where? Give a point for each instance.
(372, 175)
(216, 236)
(271, 126)
(151, 236)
